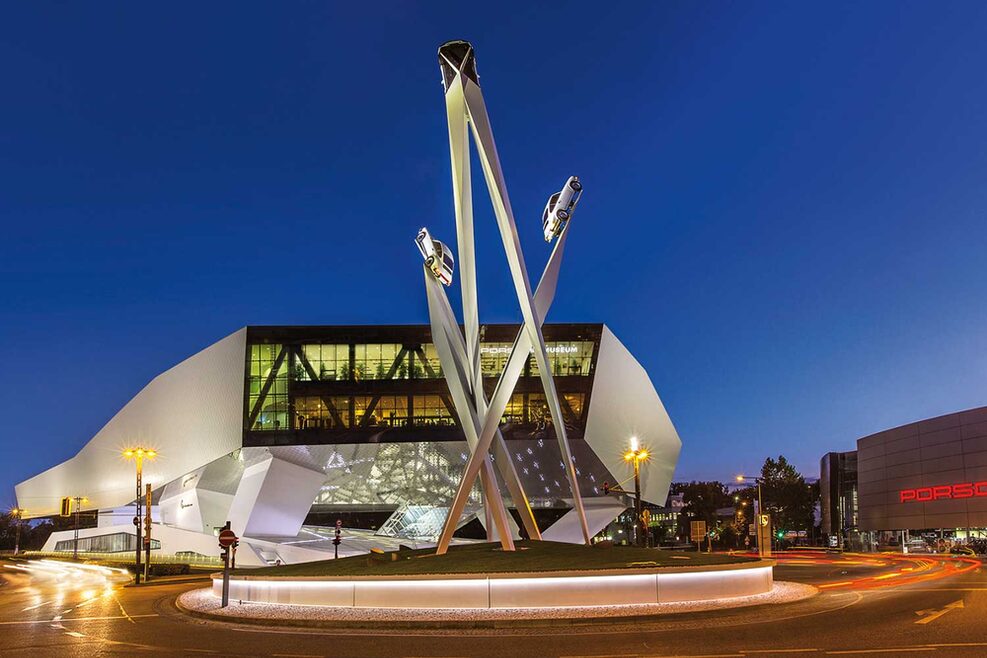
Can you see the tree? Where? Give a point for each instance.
(700, 500)
(787, 496)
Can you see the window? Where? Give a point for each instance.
(389, 410)
(312, 413)
(267, 388)
(514, 412)
(572, 406)
(493, 358)
(376, 361)
(328, 362)
(430, 411)
(118, 542)
(567, 358)
(434, 369)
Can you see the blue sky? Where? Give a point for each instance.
(783, 218)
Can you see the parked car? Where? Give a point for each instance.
(438, 257)
(560, 207)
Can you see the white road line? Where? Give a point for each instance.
(48, 621)
(895, 650)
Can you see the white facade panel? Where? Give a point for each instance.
(623, 404)
(191, 414)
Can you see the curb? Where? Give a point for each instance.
(477, 624)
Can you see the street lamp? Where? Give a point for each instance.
(79, 501)
(138, 455)
(17, 513)
(760, 509)
(637, 454)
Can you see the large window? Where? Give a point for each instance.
(118, 542)
(389, 410)
(434, 369)
(494, 357)
(267, 388)
(376, 361)
(514, 412)
(328, 362)
(567, 358)
(318, 413)
(430, 411)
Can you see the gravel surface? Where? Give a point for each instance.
(203, 600)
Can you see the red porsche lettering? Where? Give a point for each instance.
(964, 490)
(943, 491)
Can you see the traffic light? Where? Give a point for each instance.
(781, 534)
(66, 506)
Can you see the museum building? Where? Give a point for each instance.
(281, 430)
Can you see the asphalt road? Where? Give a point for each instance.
(891, 606)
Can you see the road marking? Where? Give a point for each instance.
(932, 615)
(35, 607)
(895, 650)
(958, 644)
(47, 621)
(74, 634)
(845, 582)
(906, 588)
(780, 650)
(701, 655)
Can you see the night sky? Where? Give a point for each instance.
(784, 213)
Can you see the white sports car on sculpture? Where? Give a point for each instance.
(438, 257)
(560, 207)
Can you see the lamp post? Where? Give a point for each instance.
(138, 455)
(637, 454)
(760, 510)
(17, 514)
(78, 501)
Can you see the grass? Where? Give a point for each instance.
(489, 558)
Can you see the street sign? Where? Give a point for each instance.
(226, 538)
(646, 517)
(697, 530)
(765, 519)
(751, 529)
(339, 523)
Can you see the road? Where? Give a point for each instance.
(868, 605)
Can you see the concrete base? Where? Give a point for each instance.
(536, 590)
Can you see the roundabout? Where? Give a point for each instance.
(482, 582)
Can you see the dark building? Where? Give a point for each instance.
(838, 496)
(923, 483)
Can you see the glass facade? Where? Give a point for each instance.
(567, 358)
(323, 363)
(119, 542)
(355, 382)
(267, 387)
